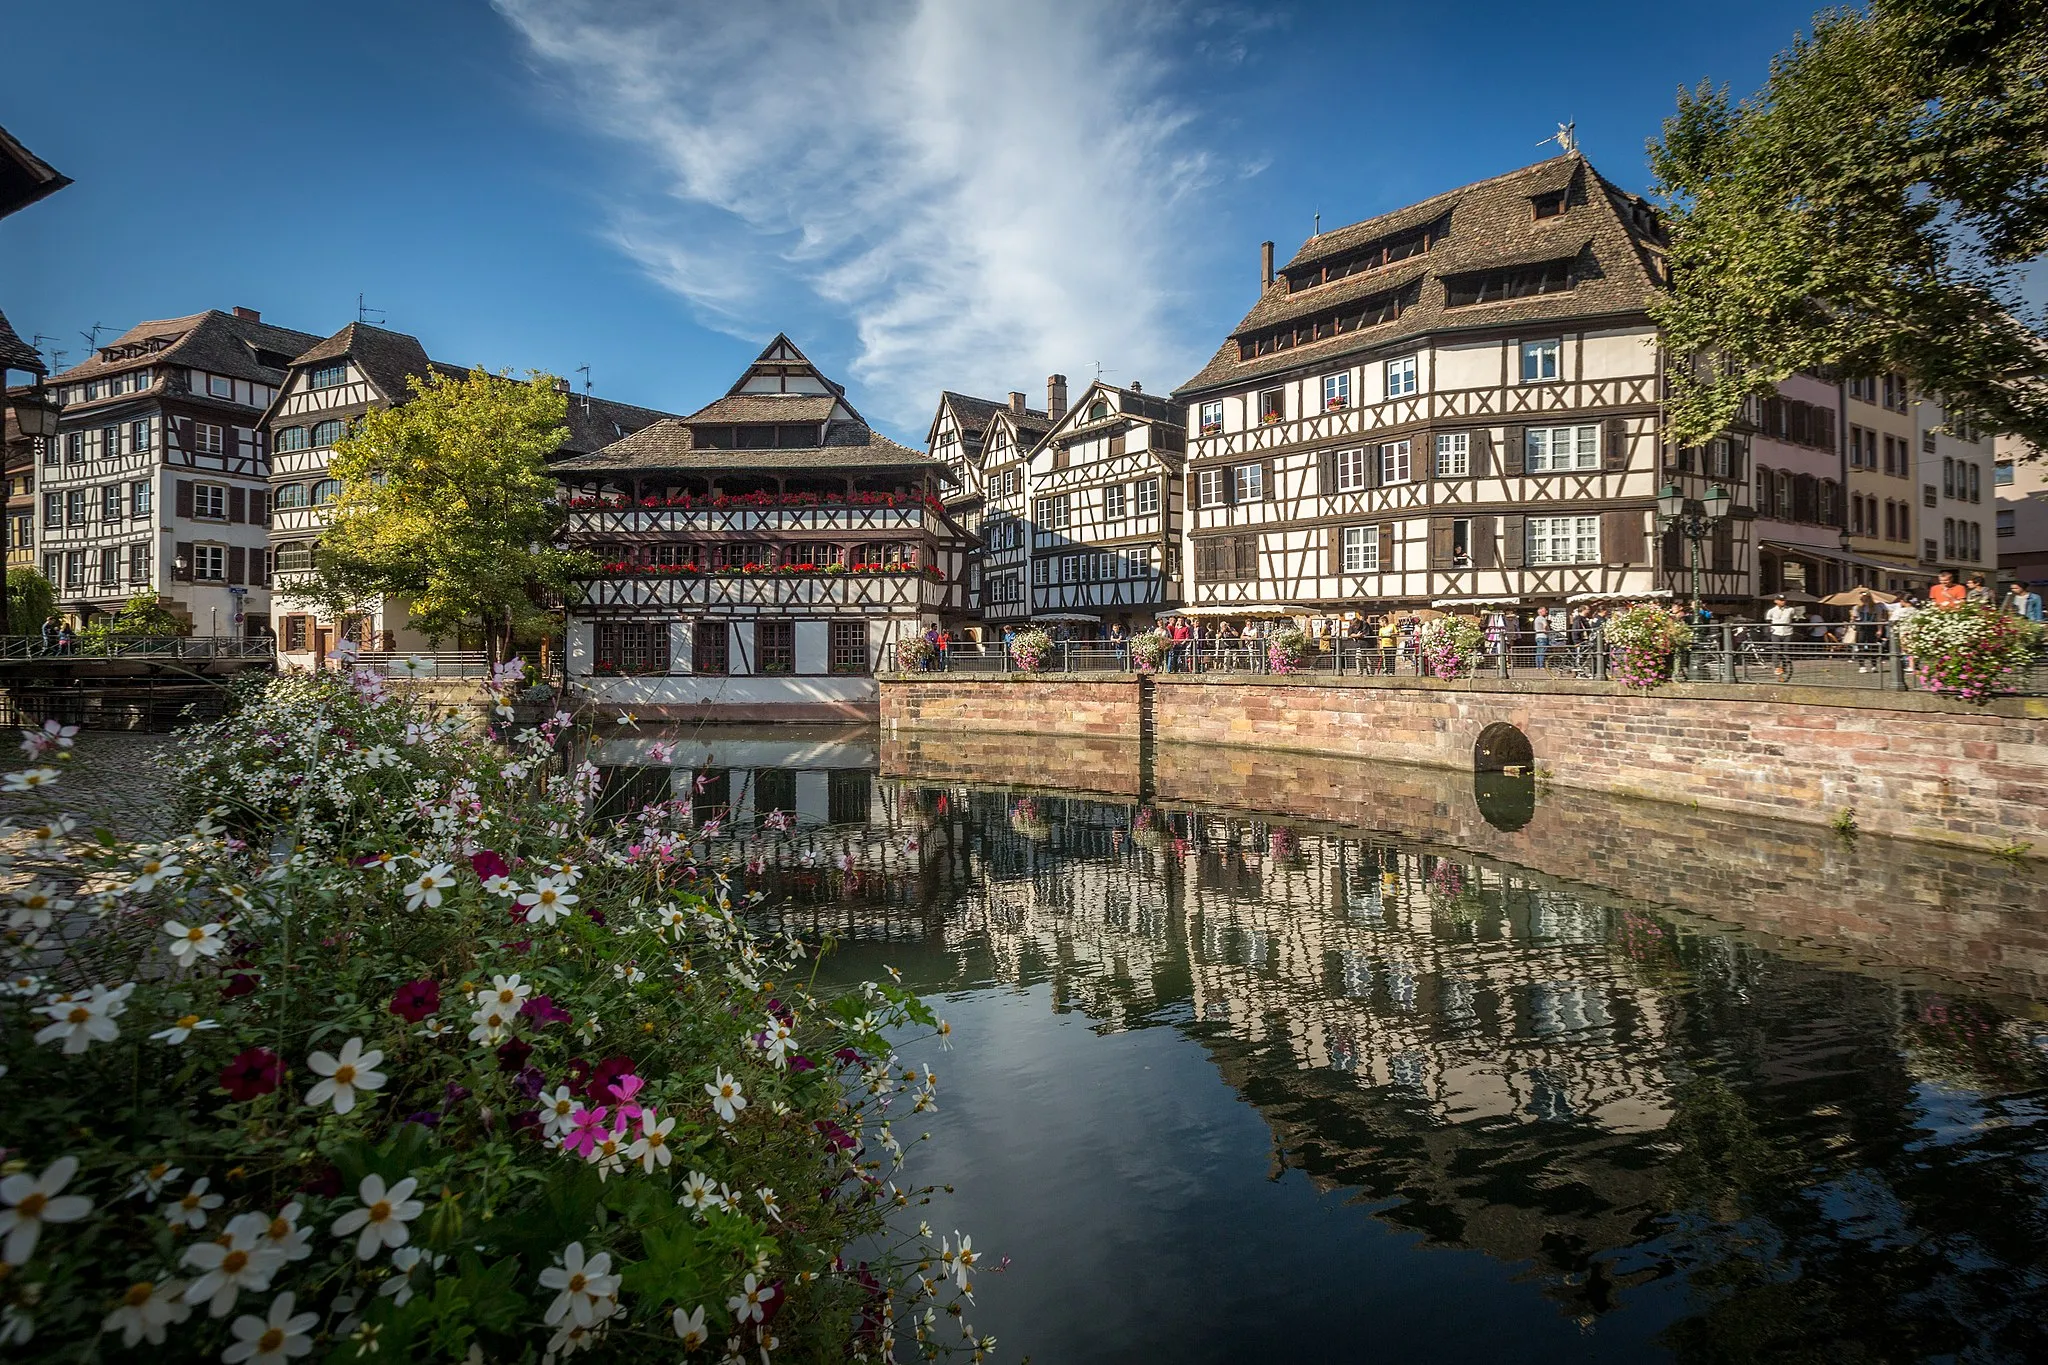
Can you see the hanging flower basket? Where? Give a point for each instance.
(1031, 650)
(1451, 646)
(1148, 650)
(1969, 650)
(1643, 643)
(1287, 651)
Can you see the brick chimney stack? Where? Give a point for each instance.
(247, 314)
(1056, 396)
(1016, 402)
(1265, 265)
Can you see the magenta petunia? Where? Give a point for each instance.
(487, 864)
(542, 1011)
(255, 1072)
(416, 1000)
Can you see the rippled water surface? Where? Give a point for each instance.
(1260, 1058)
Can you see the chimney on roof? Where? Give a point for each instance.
(561, 386)
(1265, 264)
(247, 314)
(1056, 396)
(1136, 387)
(1016, 402)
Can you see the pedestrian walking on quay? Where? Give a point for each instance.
(2024, 602)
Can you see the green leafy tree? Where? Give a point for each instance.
(446, 501)
(141, 614)
(1869, 210)
(31, 600)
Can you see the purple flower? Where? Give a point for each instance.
(425, 1118)
(542, 1010)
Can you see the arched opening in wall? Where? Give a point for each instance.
(1502, 749)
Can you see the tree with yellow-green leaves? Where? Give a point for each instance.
(446, 501)
(1872, 209)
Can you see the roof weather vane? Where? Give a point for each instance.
(1566, 137)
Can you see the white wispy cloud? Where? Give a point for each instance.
(979, 193)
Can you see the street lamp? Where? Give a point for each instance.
(35, 415)
(1695, 520)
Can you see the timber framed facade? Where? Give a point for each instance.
(1105, 488)
(1453, 404)
(157, 483)
(329, 387)
(985, 445)
(762, 557)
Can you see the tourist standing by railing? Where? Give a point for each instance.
(1980, 592)
(1540, 629)
(1866, 630)
(1946, 592)
(2024, 602)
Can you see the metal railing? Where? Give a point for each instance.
(398, 664)
(1830, 655)
(139, 646)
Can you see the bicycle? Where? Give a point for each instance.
(1765, 651)
(1581, 660)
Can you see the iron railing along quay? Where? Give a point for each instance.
(140, 646)
(1851, 657)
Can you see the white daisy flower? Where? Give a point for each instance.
(146, 1309)
(583, 1285)
(31, 1202)
(274, 1338)
(726, 1097)
(425, 889)
(191, 942)
(353, 1070)
(150, 1183)
(28, 779)
(383, 1217)
(185, 1027)
(238, 1261)
(192, 1206)
(548, 902)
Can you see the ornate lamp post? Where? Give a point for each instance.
(35, 413)
(1695, 519)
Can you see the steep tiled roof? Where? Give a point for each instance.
(213, 341)
(386, 358)
(24, 176)
(595, 423)
(669, 445)
(16, 354)
(767, 407)
(1611, 233)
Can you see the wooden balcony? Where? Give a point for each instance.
(804, 523)
(768, 593)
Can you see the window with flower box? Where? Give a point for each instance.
(632, 646)
(1211, 417)
(1337, 390)
(710, 646)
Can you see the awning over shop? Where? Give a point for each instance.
(1891, 566)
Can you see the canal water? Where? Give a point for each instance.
(1267, 1057)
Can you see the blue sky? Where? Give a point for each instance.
(923, 193)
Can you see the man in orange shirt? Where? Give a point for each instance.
(1946, 592)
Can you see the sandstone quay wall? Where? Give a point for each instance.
(1905, 765)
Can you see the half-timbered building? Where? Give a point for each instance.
(1455, 403)
(983, 444)
(329, 387)
(1003, 551)
(1105, 490)
(762, 556)
(158, 480)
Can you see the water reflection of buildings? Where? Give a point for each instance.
(1556, 1074)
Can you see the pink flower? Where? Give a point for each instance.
(487, 864)
(623, 1090)
(587, 1128)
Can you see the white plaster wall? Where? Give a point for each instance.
(1467, 367)
(734, 690)
(813, 646)
(1615, 354)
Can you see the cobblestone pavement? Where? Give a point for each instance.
(115, 780)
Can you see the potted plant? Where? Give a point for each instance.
(1969, 650)
(1450, 646)
(1642, 643)
(1148, 650)
(1031, 650)
(1287, 650)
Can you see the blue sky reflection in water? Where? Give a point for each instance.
(1236, 1088)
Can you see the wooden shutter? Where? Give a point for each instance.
(1621, 537)
(1482, 452)
(1774, 417)
(1616, 442)
(1386, 547)
(1266, 491)
(1117, 443)
(238, 504)
(184, 498)
(238, 564)
(1372, 467)
(182, 551)
(1326, 472)
(1483, 556)
(1336, 551)
(1724, 547)
(259, 506)
(1247, 557)
(1422, 451)
(1514, 540)
(1513, 447)
(1440, 543)
(1229, 473)
(1737, 465)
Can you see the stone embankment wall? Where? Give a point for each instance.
(1906, 765)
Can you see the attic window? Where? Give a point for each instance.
(758, 436)
(1098, 410)
(1549, 205)
(1370, 311)
(1372, 255)
(1511, 282)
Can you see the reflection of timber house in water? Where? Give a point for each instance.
(1536, 1068)
(761, 558)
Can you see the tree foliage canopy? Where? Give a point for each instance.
(1868, 211)
(446, 500)
(31, 600)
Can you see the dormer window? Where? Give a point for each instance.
(1098, 410)
(758, 436)
(328, 376)
(1549, 205)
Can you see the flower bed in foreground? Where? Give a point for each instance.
(397, 1054)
